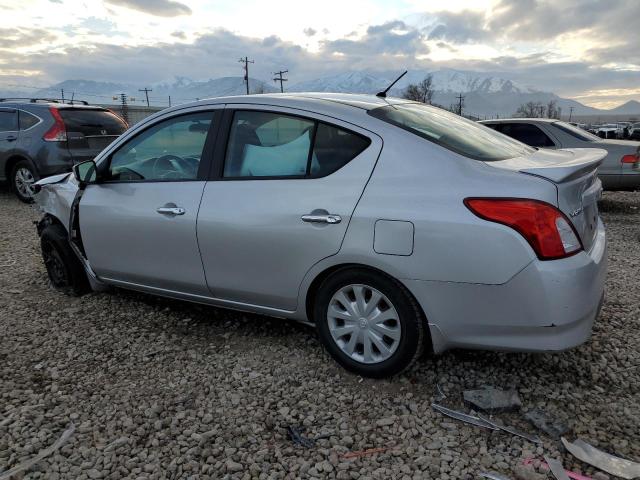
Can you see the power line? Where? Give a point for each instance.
(246, 62)
(280, 78)
(146, 93)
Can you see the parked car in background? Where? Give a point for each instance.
(40, 137)
(387, 224)
(610, 130)
(620, 170)
(634, 131)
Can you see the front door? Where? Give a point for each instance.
(138, 225)
(282, 202)
(8, 137)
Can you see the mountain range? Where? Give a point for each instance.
(484, 94)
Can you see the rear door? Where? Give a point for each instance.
(280, 200)
(138, 225)
(8, 136)
(89, 131)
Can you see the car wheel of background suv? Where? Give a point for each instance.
(369, 323)
(63, 267)
(23, 176)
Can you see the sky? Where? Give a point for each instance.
(588, 50)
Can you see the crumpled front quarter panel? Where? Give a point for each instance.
(56, 199)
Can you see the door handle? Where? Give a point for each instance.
(11, 138)
(328, 218)
(171, 210)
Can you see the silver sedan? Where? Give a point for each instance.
(620, 169)
(390, 226)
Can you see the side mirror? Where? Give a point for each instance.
(85, 172)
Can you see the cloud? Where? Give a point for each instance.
(310, 32)
(18, 37)
(462, 27)
(180, 35)
(394, 38)
(160, 8)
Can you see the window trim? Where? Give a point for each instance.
(204, 166)
(224, 134)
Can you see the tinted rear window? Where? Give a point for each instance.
(451, 131)
(92, 122)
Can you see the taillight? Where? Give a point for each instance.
(631, 158)
(548, 231)
(58, 132)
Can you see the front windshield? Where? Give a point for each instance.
(576, 132)
(451, 131)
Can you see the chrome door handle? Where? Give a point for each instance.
(171, 210)
(332, 219)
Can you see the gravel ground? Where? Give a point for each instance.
(163, 389)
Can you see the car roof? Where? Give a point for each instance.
(307, 100)
(520, 120)
(10, 103)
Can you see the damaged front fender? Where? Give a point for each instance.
(54, 196)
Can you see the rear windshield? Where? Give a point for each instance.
(451, 131)
(92, 122)
(576, 132)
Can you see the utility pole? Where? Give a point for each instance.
(146, 93)
(169, 100)
(570, 112)
(246, 62)
(279, 78)
(460, 98)
(124, 106)
(62, 93)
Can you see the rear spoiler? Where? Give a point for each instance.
(585, 160)
(556, 165)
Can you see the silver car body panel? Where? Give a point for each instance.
(242, 244)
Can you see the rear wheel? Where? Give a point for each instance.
(23, 177)
(65, 271)
(369, 323)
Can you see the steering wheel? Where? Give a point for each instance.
(179, 167)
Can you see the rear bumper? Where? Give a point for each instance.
(548, 306)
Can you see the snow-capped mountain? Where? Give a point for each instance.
(484, 94)
(445, 80)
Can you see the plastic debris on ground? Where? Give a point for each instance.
(492, 400)
(493, 476)
(551, 426)
(295, 434)
(570, 474)
(511, 430)
(556, 468)
(617, 466)
(463, 417)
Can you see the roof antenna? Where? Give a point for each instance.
(383, 94)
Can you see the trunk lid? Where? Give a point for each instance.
(574, 172)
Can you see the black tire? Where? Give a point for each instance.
(22, 168)
(410, 317)
(65, 271)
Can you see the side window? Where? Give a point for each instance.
(27, 120)
(527, 133)
(8, 121)
(334, 148)
(170, 150)
(264, 144)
